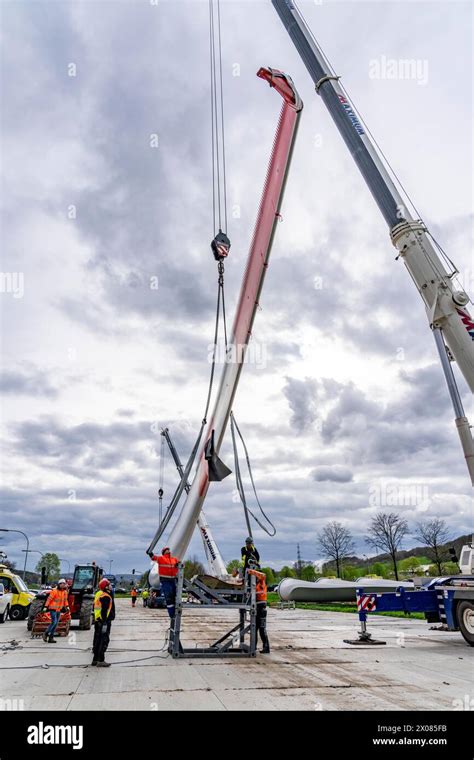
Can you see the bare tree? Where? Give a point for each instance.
(387, 531)
(433, 534)
(336, 542)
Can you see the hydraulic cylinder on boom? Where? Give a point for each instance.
(446, 306)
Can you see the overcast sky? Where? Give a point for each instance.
(344, 406)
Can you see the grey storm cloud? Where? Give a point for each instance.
(372, 432)
(301, 396)
(86, 451)
(27, 381)
(143, 216)
(336, 474)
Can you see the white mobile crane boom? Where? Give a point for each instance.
(449, 320)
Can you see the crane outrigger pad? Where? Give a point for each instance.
(364, 640)
(239, 641)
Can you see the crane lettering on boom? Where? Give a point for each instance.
(208, 543)
(466, 319)
(351, 115)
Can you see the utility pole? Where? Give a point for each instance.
(298, 561)
(34, 551)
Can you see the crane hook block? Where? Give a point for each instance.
(220, 246)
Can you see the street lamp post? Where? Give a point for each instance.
(61, 559)
(110, 566)
(15, 530)
(32, 551)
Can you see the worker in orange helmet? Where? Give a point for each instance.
(168, 569)
(261, 598)
(56, 603)
(104, 613)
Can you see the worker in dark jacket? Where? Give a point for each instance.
(104, 613)
(249, 554)
(168, 569)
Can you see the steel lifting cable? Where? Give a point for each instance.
(387, 163)
(357, 112)
(220, 305)
(182, 484)
(221, 243)
(219, 189)
(219, 184)
(161, 479)
(213, 137)
(238, 476)
(224, 183)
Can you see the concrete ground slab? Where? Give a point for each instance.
(310, 667)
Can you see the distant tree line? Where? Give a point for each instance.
(386, 532)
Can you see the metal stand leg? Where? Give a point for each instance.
(242, 627)
(364, 636)
(253, 630)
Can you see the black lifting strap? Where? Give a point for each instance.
(217, 469)
(240, 487)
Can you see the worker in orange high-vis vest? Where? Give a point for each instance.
(56, 603)
(168, 569)
(133, 594)
(261, 598)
